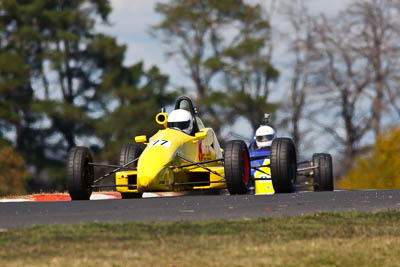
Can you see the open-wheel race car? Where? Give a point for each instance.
(276, 171)
(183, 156)
(274, 166)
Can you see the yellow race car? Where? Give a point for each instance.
(183, 156)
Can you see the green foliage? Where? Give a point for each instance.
(380, 170)
(252, 108)
(139, 95)
(15, 95)
(61, 82)
(13, 171)
(196, 32)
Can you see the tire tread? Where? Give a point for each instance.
(283, 153)
(78, 187)
(234, 166)
(323, 176)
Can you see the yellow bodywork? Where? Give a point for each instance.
(156, 168)
(264, 187)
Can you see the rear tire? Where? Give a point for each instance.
(237, 167)
(323, 177)
(80, 175)
(283, 165)
(128, 153)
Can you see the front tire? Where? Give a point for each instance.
(283, 165)
(323, 177)
(80, 175)
(237, 167)
(128, 153)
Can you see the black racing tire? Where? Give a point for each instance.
(323, 175)
(80, 175)
(283, 163)
(237, 167)
(128, 153)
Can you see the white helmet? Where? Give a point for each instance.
(180, 119)
(264, 136)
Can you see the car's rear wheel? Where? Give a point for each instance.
(237, 167)
(80, 174)
(128, 153)
(323, 176)
(283, 165)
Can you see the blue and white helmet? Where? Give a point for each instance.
(264, 136)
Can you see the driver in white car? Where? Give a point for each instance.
(180, 119)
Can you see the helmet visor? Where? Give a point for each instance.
(265, 138)
(179, 124)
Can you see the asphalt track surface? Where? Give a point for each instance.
(186, 208)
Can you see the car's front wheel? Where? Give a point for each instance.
(237, 167)
(283, 165)
(80, 174)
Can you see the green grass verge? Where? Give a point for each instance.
(329, 239)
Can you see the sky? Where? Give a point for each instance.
(131, 21)
(130, 24)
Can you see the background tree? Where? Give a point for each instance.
(58, 77)
(356, 55)
(248, 72)
(13, 170)
(380, 169)
(225, 39)
(19, 61)
(341, 106)
(376, 32)
(137, 97)
(299, 38)
(68, 32)
(62, 83)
